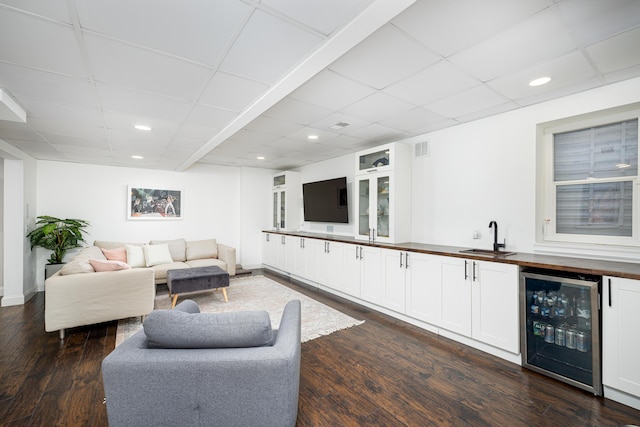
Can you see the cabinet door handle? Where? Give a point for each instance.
(356, 252)
(609, 292)
(400, 259)
(328, 247)
(473, 271)
(361, 257)
(406, 260)
(466, 275)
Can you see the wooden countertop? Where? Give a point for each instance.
(627, 270)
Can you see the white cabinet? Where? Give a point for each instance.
(422, 287)
(393, 289)
(362, 270)
(480, 301)
(383, 192)
(331, 264)
(620, 337)
(286, 213)
(268, 248)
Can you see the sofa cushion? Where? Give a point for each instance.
(118, 254)
(160, 270)
(177, 247)
(77, 265)
(199, 249)
(108, 265)
(207, 262)
(177, 329)
(156, 255)
(104, 244)
(80, 263)
(135, 256)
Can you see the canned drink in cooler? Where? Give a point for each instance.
(570, 340)
(548, 333)
(560, 335)
(582, 342)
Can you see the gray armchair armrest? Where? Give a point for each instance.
(228, 255)
(225, 386)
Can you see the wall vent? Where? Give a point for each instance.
(421, 149)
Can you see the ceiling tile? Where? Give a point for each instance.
(618, 52)
(384, 58)
(59, 111)
(78, 142)
(537, 39)
(142, 106)
(35, 44)
(210, 116)
(145, 70)
(591, 21)
(253, 55)
(53, 9)
(231, 92)
(321, 16)
(376, 132)
(450, 26)
(191, 131)
(331, 90)
(25, 82)
(377, 107)
(564, 71)
(202, 30)
(435, 82)
(72, 129)
(413, 121)
(298, 112)
(469, 101)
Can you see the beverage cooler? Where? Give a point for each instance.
(560, 327)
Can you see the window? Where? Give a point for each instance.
(591, 180)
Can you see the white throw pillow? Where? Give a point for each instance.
(157, 254)
(135, 256)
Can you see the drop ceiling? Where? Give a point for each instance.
(227, 82)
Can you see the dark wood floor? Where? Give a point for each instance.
(382, 373)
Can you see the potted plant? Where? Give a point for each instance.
(57, 235)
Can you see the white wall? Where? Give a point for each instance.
(19, 192)
(486, 170)
(255, 214)
(213, 204)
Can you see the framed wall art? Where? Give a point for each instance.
(154, 204)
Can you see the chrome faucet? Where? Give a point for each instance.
(496, 245)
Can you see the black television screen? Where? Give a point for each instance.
(326, 201)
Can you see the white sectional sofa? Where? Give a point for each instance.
(97, 286)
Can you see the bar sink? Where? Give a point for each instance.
(486, 252)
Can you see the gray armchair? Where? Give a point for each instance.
(150, 386)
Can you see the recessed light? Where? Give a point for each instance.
(137, 157)
(312, 137)
(142, 127)
(540, 81)
(623, 165)
(260, 157)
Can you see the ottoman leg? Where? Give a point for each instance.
(224, 292)
(175, 299)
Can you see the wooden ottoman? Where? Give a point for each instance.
(197, 279)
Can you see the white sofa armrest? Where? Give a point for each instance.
(228, 255)
(85, 299)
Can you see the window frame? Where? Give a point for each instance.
(547, 184)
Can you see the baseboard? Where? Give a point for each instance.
(621, 397)
(8, 301)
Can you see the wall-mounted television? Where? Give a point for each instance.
(326, 201)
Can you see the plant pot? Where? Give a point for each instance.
(51, 269)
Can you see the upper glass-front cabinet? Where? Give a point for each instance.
(286, 203)
(377, 159)
(383, 201)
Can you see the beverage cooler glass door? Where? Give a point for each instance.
(560, 335)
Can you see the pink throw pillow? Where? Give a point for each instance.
(101, 265)
(118, 254)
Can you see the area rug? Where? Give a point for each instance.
(254, 293)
